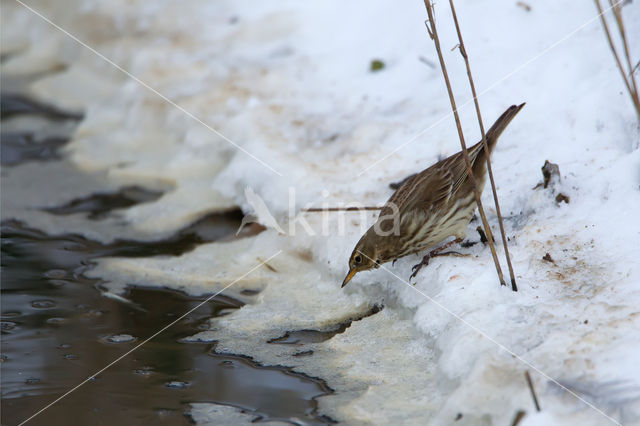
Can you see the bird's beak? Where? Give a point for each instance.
(351, 274)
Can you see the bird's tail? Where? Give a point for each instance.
(501, 123)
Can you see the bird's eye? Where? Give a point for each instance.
(358, 259)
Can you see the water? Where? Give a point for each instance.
(58, 328)
(97, 206)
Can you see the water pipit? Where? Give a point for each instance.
(427, 208)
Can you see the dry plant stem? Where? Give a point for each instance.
(338, 209)
(433, 33)
(463, 52)
(634, 94)
(533, 392)
(617, 12)
(518, 417)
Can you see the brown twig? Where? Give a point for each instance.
(617, 12)
(338, 209)
(629, 82)
(463, 52)
(533, 392)
(433, 33)
(518, 418)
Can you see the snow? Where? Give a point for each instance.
(289, 83)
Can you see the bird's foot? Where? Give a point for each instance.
(416, 268)
(435, 253)
(483, 237)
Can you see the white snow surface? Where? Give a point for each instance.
(288, 84)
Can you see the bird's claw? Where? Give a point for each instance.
(417, 267)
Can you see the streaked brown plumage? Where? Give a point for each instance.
(430, 207)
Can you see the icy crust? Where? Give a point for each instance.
(126, 137)
(379, 358)
(414, 361)
(203, 413)
(289, 83)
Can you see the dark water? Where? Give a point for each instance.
(18, 148)
(23, 146)
(58, 327)
(16, 104)
(58, 330)
(301, 337)
(97, 206)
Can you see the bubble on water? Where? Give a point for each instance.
(56, 321)
(145, 371)
(165, 412)
(11, 314)
(119, 338)
(7, 325)
(32, 381)
(71, 356)
(93, 313)
(58, 283)
(43, 304)
(55, 273)
(64, 346)
(176, 384)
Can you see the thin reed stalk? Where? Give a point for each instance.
(463, 52)
(433, 33)
(628, 75)
(338, 209)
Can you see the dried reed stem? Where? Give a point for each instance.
(433, 33)
(463, 52)
(533, 392)
(338, 209)
(617, 12)
(628, 77)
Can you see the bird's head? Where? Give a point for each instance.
(365, 256)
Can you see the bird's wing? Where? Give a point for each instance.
(432, 186)
(435, 188)
(421, 192)
(457, 166)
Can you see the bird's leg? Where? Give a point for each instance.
(433, 253)
(483, 237)
(416, 268)
(451, 253)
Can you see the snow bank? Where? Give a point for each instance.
(289, 83)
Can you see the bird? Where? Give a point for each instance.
(427, 208)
